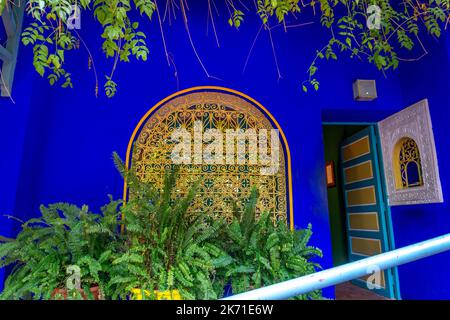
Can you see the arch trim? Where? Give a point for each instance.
(227, 90)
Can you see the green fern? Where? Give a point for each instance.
(157, 245)
(178, 249)
(265, 252)
(64, 235)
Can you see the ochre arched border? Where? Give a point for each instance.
(240, 94)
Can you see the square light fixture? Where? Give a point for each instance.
(364, 90)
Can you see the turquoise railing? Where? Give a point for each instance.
(346, 272)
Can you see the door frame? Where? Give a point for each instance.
(388, 216)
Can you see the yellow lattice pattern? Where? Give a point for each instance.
(409, 153)
(220, 184)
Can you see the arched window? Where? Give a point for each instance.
(222, 110)
(407, 164)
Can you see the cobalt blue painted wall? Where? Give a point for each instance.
(430, 78)
(57, 143)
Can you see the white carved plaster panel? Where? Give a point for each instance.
(415, 123)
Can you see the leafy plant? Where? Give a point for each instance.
(2, 6)
(166, 249)
(397, 26)
(153, 244)
(65, 235)
(51, 35)
(401, 26)
(266, 252)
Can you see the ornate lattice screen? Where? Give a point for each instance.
(408, 165)
(150, 152)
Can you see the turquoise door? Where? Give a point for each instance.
(367, 214)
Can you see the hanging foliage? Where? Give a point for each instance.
(374, 31)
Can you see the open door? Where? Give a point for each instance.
(366, 208)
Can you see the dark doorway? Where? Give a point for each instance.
(358, 212)
(333, 135)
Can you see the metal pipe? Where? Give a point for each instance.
(346, 272)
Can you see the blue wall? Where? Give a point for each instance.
(429, 78)
(56, 143)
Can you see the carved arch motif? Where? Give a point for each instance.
(218, 108)
(412, 123)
